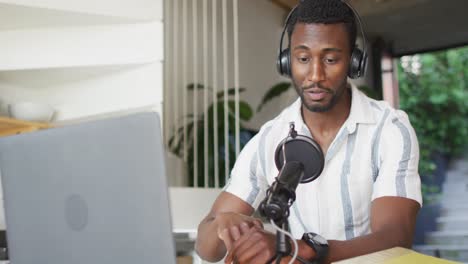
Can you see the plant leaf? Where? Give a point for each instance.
(231, 91)
(191, 86)
(274, 91)
(245, 111)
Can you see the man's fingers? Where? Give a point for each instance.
(228, 258)
(245, 244)
(258, 223)
(225, 236)
(244, 228)
(249, 240)
(233, 227)
(235, 232)
(232, 252)
(252, 253)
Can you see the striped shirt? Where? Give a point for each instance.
(374, 154)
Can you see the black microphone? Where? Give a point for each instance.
(282, 192)
(300, 160)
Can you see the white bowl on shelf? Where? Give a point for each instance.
(31, 111)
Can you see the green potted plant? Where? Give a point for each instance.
(176, 143)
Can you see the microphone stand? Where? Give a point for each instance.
(283, 245)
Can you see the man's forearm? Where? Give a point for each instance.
(376, 241)
(208, 245)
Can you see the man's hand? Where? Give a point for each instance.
(255, 245)
(231, 226)
(222, 226)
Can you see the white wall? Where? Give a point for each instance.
(84, 58)
(261, 27)
(260, 24)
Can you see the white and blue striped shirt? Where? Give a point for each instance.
(374, 154)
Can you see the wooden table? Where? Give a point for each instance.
(10, 126)
(395, 255)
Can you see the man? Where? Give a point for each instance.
(368, 195)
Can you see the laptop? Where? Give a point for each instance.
(89, 193)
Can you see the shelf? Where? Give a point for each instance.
(81, 46)
(14, 17)
(67, 12)
(9, 126)
(84, 91)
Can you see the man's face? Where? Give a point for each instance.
(320, 56)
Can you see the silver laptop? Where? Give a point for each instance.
(90, 193)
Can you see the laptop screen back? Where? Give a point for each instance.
(90, 193)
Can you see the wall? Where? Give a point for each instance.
(260, 24)
(261, 28)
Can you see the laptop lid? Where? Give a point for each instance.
(94, 192)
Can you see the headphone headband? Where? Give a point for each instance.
(358, 57)
(286, 23)
(361, 25)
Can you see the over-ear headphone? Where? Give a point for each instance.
(358, 60)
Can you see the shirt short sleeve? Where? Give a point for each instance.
(247, 180)
(399, 158)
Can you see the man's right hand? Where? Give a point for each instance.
(223, 225)
(231, 225)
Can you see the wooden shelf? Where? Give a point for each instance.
(59, 12)
(100, 45)
(10, 126)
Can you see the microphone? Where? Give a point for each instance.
(300, 160)
(282, 192)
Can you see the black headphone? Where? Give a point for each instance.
(358, 61)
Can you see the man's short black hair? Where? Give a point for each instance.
(324, 12)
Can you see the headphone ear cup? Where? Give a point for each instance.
(284, 64)
(355, 64)
(363, 66)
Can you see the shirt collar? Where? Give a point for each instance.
(361, 110)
